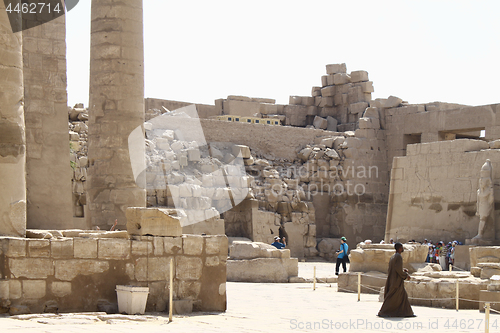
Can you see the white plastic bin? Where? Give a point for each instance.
(132, 300)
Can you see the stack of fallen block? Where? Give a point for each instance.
(341, 96)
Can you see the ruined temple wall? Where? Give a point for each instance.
(76, 274)
(204, 110)
(431, 121)
(434, 190)
(270, 141)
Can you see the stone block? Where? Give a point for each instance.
(358, 107)
(188, 268)
(331, 124)
(16, 248)
(153, 221)
(60, 289)
(182, 306)
(85, 248)
(192, 245)
(494, 144)
(316, 91)
(320, 123)
(39, 248)
(34, 289)
(295, 100)
(35, 268)
(194, 155)
(241, 149)
(325, 102)
(329, 80)
(216, 245)
(15, 289)
(359, 76)
(67, 270)
(336, 68)
(188, 289)
(324, 81)
(172, 245)
(62, 248)
(212, 261)
(142, 248)
(367, 87)
(308, 101)
(371, 112)
(369, 123)
(328, 91)
(113, 248)
(152, 269)
(341, 78)
(262, 270)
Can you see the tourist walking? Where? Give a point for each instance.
(342, 256)
(396, 303)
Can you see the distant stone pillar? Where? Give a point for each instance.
(116, 108)
(12, 131)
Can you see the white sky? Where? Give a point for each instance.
(199, 51)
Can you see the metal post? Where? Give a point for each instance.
(171, 296)
(359, 286)
(457, 294)
(487, 318)
(314, 279)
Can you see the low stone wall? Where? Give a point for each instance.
(375, 257)
(260, 262)
(80, 274)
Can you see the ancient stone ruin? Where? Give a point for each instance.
(178, 178)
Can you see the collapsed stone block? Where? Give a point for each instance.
(336, 68)
(367, 123)
(357, 107)
(320, 123)
(328, 91)
(153, 221)
(244, 150)
(339, 79)
(359, 76)
(331, 124)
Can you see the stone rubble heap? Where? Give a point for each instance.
(342, 97)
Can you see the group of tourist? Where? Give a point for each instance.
(440, 253)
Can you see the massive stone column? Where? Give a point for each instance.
(48, 170)
(12, 132)
(116, 108)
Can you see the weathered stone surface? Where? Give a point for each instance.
(153, 269)
(153, 221)
(34, 289)
(245, 250)
(341, 78)
(62, 248)
(188, 289)
(336, 68)
(85, 248)
(60, 289)
(359, 76)
(272, 270)
(142, 248)
(188, 268)
(241, 149)
(31, 268)
(331, 124)
(216, 245)
(15, 247)
(39, 248)
(375, 257)
(320, 123)
(113, 249)
(67, 270)
(192, 244)
(172, 245)
(357, 107)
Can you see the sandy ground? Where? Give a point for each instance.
(265, 307)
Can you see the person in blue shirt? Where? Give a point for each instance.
(277, 243)
(342, 256)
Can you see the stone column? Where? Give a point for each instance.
(48, 170)
(116, 108)
(12, 131)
